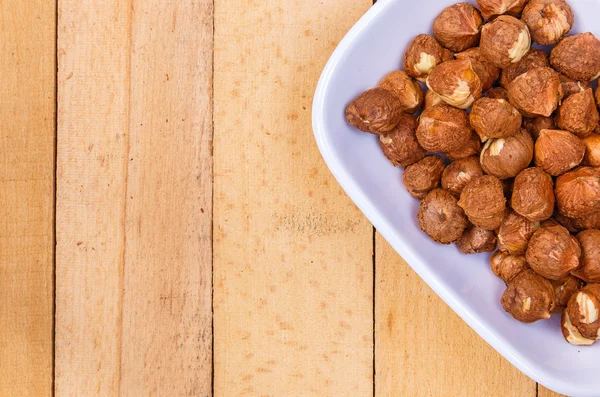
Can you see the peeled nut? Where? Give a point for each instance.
(514, 233)
(443, 128)
(548, 20)
(486, 71)
(505, 157)
(578, 192)
(590, 262)
(423, 54)
(504, 41)
(375, 111)
(475, 240)
(432, 99)
(408, 91)
(558, 151)
(564, 290)
(536, 92)
(456, 83)
(592, 150)
(552, 252)
(400, 145)
(459, 173)
(458, 27)
(441, 218)
(423, 176)
(570, 86)
(492, 8)
(533, 195)
(506, 266)
(483, 201)
(473, 147)
(535, 125)
(494, 118)
(533, 59)
(572, 334)
(577, 56)
(578, 114)
(584, 311)
(529, 297)
(497, 93)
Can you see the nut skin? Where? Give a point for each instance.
(505, 41)
(536, 92)
(493, 8)
(575, 225)
(408, 91)
(486, 71)
(564, 290)
(458, 27)
(497, 93)
(548, 20)
(506, 157)
(494, 118)
(533, 59)
(592, 150)
(456, 83)
(577, 56)
(529, 297)
(578, 114)
(589, 240)
(572, 334)
(483, 201)
(514, 233)
(584, 311)
(423, 54)
(558, 151)
(533, 195)
(443, 128)
(432, 99)
(473, 147)
(375, 111)
(578, 192)
(459, 173)
(552, 252)
(570, 86)
(507, 266)
(476, 240)
(441, 218)
(423, 176)
(400, 145)
(534, 125)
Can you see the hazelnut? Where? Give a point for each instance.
(536, 92)
(572, 334)
(408, 91)
(483, 201)
(506, 266)
(443, 128)
(460, 172)
(423, 54)
(552, 252)
(558, 151)
(584, 311)
(441, 218)
(507, 187)
(458, 27)
(475, 240)
(590, 262)
(533, 59)
(563, 290)
(577, 56)
(514, 233)
(494, 118)
(533, 195)
(505, 157)
(423, 176)
(529, 297)
(497, 93)
(592, 150)
(570, 86)
(456, 83)
(578, 114)
(536, 124)
(492, 8)
(578, 192)
(375, 111)
(486, 71)
(400, 145)
(504, 41)
(472, 147)
(548, 20)
(432, 99)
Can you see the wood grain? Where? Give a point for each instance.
(292, 255)
(134, 195)
(27, 108)
(543, 392)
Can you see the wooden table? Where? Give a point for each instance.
(168, 227)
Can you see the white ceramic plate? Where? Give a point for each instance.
(372, 48)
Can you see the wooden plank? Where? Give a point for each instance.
(543, 392)
(27, 108)
(441, 356)
(292, 255)
(134, 198)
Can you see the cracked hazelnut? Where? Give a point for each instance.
(494, 118)
(504, 41)
(432, 99)
(590, 262)
(497, 93)
(578, 114)
(558, 151)
(548, 20)
(441, 218)
(529, 297)
(572, 334)
(552, 252)
(458, 27)
(507, 266)
(533, 195)
(443, 128)
(592, 150)
(536, 92)
(578, 192)
(486, 71)
(423, 54)
(505, 157)
(577, 56)
(423, 176)
(493, 8)
(375, 111)
(476, 240)
(459, 173)
(534, 125)
(584, 311)
(408, 91)
(570, 86)
(400, 145)
(533, 59)
(483, 201)
(564, 290)
(472, 147)
(456, 83)
(514, 233)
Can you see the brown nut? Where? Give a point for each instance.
(432, 99)
(552, 252)
(548, 20)
(577, 56)
(443, 128)
(400, 145)
(473, 147)
(572, 334)
(570, 86)
(578, 192)
(408, 91)
(534, 125)
(584, 311)
(423, 176)
(514, 233)
(458, 27)
(533, 59)
(504, 41)
(492, 8)
(497, 93)
(575, 225)
(536, 92)
(590, 262)
(375, 111)
(494, 118)
(487, 72)
(506, 266)
(423, 54)
(533, 195)
(456, 83)
(505, 157)
(441, 218)
(564, 290)
(592, 150)
(483, 201)
(557, 151)
(578, 114)
(459, 173)
(529, 297)
(475, 240)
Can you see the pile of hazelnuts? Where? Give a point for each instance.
(505, 153)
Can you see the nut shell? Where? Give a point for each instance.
(548, 20)
(552, 252)
(505, 157)
(486, 71)
(472, 147)
(459, 173)
(475, 240)
(536, 92)
(456, 83)
(533, 59)
(505, 41)
(558, 151)
(592, 150)
(423, 176)
(400, 145)
(589, 240)
(375, 111)
(578, 192)
(577, 56)
(564, 290)
(441, 218)
(578, 114)
(443, 128)
(497, 93)
(483, 201)
(534, 125)
(423, 54)
(458, 27)
(506, 266)
(533, 195)
(514, 233)
(529, 297)
(584, 311)
(494, 118)
(408, 91)
(492, 8)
